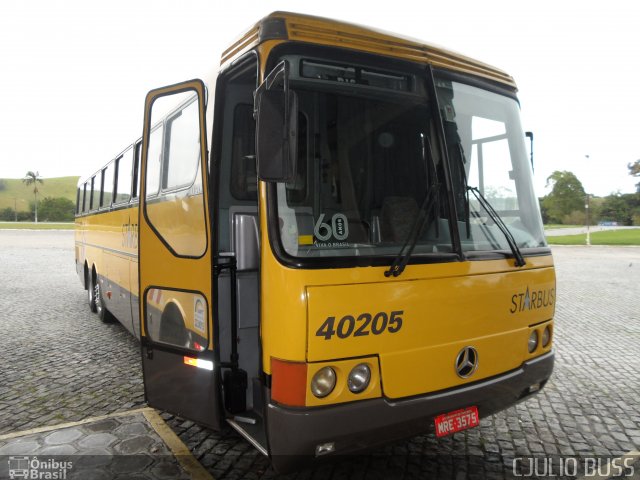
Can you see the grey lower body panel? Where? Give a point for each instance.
(295, 433)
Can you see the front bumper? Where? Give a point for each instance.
(295, 433)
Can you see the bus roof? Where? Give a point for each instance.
(323, 31)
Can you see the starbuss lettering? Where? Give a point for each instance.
(532, 300)
(130, 235)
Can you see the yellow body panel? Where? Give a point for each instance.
(324, 31)
(445, 307)
(108, 242)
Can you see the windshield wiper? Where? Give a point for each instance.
(400, 262)
(517, 254)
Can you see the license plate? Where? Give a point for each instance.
(453, 422)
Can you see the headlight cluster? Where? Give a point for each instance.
(534, 339)
(324, 381)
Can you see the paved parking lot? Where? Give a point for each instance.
(59, 363)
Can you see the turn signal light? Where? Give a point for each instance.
(288, 382)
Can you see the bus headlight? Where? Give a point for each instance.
(546, 336)
(359, 378)
(533, 341)
(323, 382)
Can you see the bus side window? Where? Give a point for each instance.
(135, 187)
(85, 197)
(78, 200)
(154, 157)
(107, 185)
(174, 182)
(123, 177)
(95, 192)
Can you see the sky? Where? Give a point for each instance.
(74, 74)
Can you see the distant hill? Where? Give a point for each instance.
(11, 188)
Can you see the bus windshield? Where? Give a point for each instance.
(369, 157)
(487, 154)
(366, 162)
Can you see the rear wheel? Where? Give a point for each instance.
(91, 293)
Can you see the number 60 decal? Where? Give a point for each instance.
(361, 326)
(339, 228)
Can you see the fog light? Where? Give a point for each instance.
(359, 378)
(323, 382)
(546, 336)
(533, 341)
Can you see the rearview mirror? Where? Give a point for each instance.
(276, 131)
(529, 135)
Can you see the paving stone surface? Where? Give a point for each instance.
(80, 453)
(59, 363)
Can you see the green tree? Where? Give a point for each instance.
(567, 195)
(634, 171)
(33, 178)
(7, 214)
(57, 209)
(616, 208)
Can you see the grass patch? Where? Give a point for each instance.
(613, 237)
(35, 226)
(556, 226)
(14, 188)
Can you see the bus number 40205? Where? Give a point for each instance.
(362, 325)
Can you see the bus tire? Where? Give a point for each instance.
(101, 308)
(172, 329)
(91, 292)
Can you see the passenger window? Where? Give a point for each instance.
(107, 185)
(182, 157)
(154, 158)
(177, 318)
(78, 200)
(244, 178)
(136, 172)
(176, 212)
(123, 188)
(95, 192)
(85, 198)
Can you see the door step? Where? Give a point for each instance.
(251, 427)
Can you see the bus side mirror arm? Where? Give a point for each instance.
(529, 135)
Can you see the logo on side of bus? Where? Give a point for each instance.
(534, 300)
(130, 235)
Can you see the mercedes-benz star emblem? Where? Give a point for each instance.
(466, 362)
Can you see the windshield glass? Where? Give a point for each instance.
(366, 161)
(486, 150)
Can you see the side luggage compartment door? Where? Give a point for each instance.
(181, 371)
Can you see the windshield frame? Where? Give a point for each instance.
(428, 72)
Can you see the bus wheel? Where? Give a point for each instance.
(101, 309)
(91, 293)
(172, 329)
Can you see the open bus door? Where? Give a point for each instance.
(179, 362)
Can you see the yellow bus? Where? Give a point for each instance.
(332, 245)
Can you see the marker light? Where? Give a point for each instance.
(546, 336)
(359, 378)
(323, 382)
(199, 363)
(533, 341)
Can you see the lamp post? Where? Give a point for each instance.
(586, 207)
